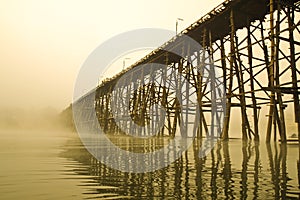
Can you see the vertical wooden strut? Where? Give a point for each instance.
(143, 104)
(212, 77)
(198, 82)
(106, 114)
(271, 74)
(182, 125)
(187, 89)
(225, 130)
(203, 64)
(250, 55)
(291, 18)
(239, 75)
(151, 94)
(176, 103)
(281, 120)
(199, 86)
(229, 93)
(132, 103)
(164, 92)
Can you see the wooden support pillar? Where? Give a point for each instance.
(187, 89)
(281, 119)
(229, 93)
(106, 113)
(250, 56)
(246, 130)
(293, 65)
(202, 89)
(271, 74)
(102, 110)
(165, 94)
(198, 81)
(291, 18)
(152, 98)
(131, 104)
(143, 104)
(225, 130)
(117, 106)
(176, 103)
(183, 126)
(163, 99)
(239, 74)
(212, 77)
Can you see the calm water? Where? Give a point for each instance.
(54, 165)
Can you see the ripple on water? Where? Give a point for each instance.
(47, 165)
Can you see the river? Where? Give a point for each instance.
(55, 165)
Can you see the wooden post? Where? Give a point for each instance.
(255, 114)
(281, 120)
(271, 73)
(237, 63)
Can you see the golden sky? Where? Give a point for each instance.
(44, 43)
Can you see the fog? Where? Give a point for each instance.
(47, 118)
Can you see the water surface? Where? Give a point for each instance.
(55, 165)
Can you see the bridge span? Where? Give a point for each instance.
(249, 61)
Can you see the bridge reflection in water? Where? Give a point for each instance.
(234, 169)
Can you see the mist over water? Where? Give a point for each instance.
(30, 144)
(47, 118)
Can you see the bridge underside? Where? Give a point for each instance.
(249, 59)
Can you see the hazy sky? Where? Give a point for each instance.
(44, 43)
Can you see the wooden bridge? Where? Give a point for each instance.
(252, 50)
